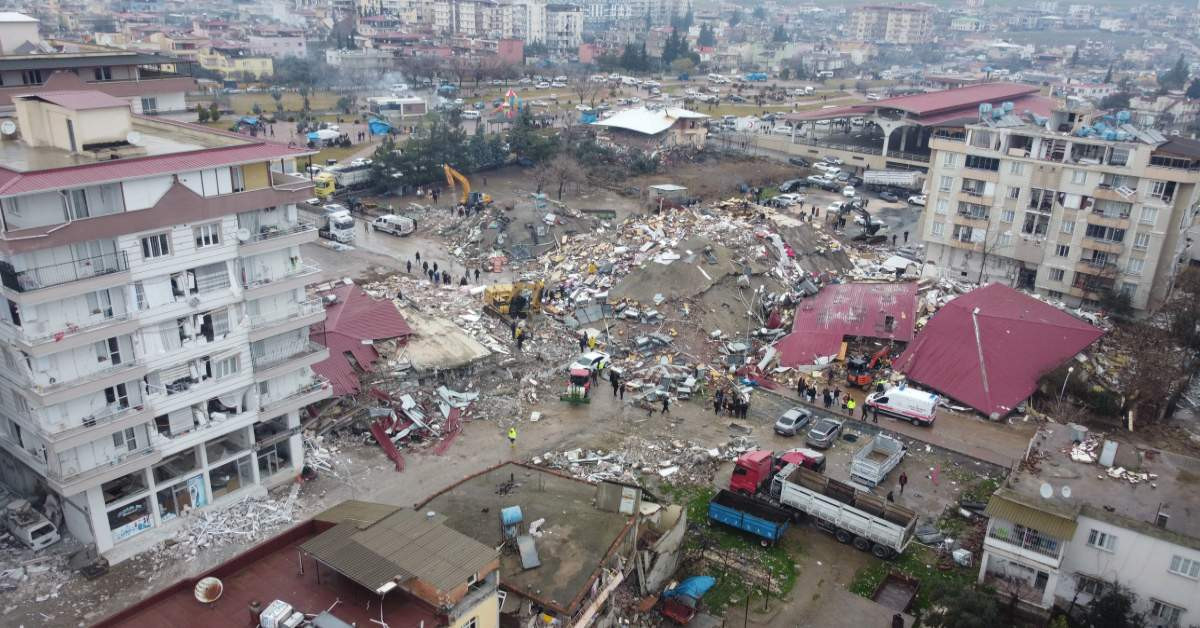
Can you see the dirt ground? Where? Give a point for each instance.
(705, 179)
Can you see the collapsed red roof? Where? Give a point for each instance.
(853, 309)
(353, 318)
(988, 348)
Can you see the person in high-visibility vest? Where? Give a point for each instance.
(512, 436)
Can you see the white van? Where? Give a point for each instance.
(395, 225)
(906, 403)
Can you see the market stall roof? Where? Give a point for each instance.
(351, 322)
(853, 309)
(988, 348)
(943, 107)
(648, 121)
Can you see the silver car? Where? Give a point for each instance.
(824, 433)
(792, 422)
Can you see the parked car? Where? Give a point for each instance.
(889, 196)
(836, 207)
(591, 361)
(824, 433)
(792, 421)
(817, 180)
(313, 202)
(543, 85)
(787, 200)
(799, 161)
(791, 185)
(844, 177)
(782, 129)
(917, 199)
(848, 191)
(832, 160)
(470, 114)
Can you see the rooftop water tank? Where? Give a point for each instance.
(1110, 135)
(1123, 117)
(511, 516)
(1008, 106)
(985, 109)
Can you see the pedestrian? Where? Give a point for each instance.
(800, 387)
(520, 340)
(582, 341)
(595, 376)
(903, 481)
(463, 281)
(893, 239)
(591, 342)
(418, 256)
(615, 379)
(906, 237)
(874, 414)
(865, 408)
(666, 409)
(408, 267)
(891, 497)
(476, 275)
(717, 404)
(436, 194)
(485, 180)
(512, 436)
(850, 405)
(435, 268)
(828, 399)
(424, 265)
(622, 391)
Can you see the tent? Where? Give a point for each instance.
(378, 127)
(988, 348)
(323, 135)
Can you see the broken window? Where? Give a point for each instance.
(1035, 224)
(1041, 200)
(231, 476)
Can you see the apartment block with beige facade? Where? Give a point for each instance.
(153, 315)
(1071, 206)
(900, 24)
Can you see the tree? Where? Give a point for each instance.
(202, 113)
(1108, 76)
(736, 18)
(785, 74)
(585, 89)
(256, 109)
(682, 65)
(1193, 90)
(780, 34)
(957, 606)
(277, 96)
(707, 37)
(525, 141)
(1176, 77)
(564, 170)
(214, 113)
(670, 50)
(345, 103)
(1116, 100)
(1074, 56)
(1117, 303)
(1114, 608)
(759, 13)
(1183, 310)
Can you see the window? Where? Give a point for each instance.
(125, 441)
(1149, 215)
(1088, 584)
(1118, 157)
(1062, 250)
(1185, 567)
(937, 229)
(471, 623)
(109, 351)
(949, 160)
(1016, 167)
(1057, 274)
(1108, 234)
(1165, 614)
(99, 303)
(31, 77)
(1135, 266)
(1113, 209)
(946, 183)
(117, 396)
(155, 246)
(1141, 241)
(983, 163)
(1054, 294)
(239, 179)
(973, 210)
(139, 293)
(1041, 200)
(1035, 224)
(149, 104)
(75, 204)
(1014, 192)
(102, 74)
(1079, 177)
(1128, 288)
(1005, 239)
(225, 367)
(942, 206)
(1007, 215)
(1102, 540)
(1068, 227)
(207, 235)
(1163, 190)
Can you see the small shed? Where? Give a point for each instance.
(666, 192)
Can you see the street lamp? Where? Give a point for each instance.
(1070, 370)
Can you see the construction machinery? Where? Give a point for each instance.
(324, 185)
(579, 383)
(860, 370)
(466, 197)
(513, 300)
(873, 231)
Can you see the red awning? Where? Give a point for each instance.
(354, 318)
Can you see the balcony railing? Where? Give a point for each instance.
(65, 272)
(300, 270)
(66, 478)
(973, 216)
(307, 389)
(1099, 265)
(107, 371)
(302, 309)
(1024, 538)
(271, 233)
(67, 331)
(289, 182)
(105, 417)
(953, 137)
(280, 356)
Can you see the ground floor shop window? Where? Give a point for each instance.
(180, 498)
(129, 520)
(231, 476)
(274, 458)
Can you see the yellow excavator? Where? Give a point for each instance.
(513, 300)
(466, 197)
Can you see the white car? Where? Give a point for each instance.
(543, 85)
(591, 361)
(582, 108)
(828, 169)
(634, 100)
(835, 207)
(314, 202)
(558, 84)
(560, 78)
(782, 130)
(525, 80)
(470, 114)
(848, 191)
(787, 200)
(917, 199)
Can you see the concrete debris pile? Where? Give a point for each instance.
(244, 521)
(637, 459)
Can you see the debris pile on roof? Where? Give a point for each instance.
(243, 521)
(681, 461)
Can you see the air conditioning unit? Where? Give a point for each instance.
(194, 302)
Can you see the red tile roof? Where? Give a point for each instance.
(942, 106)
(840, 310)
(988, 348)
(78, 100)
(355, 317)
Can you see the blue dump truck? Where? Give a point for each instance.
(745, 513)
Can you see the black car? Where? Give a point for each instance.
(799, 161)
(889, 196)
(791, 185)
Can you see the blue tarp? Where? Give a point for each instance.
(313, 137)
(378, 127)
(251, 120)
(694, 587)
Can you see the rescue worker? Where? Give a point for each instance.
(512, 436)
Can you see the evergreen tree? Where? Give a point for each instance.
(1176, 77)
(736, 18)
(1193, 90)
(688, 18)
(707, 38)
(670, 50)
(780, 34)
(1108, 75)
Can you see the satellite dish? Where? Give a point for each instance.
(194, 302)
(209, 590)
(1066, 492)
(243, 235)
(8, 127)
(133, 137)
(1046, 490)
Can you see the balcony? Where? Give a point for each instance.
(1089, 286)
(60, 391)
(273, 323)
(289, 182)
(950, 136)
(74, 482)
(58, 281)
(284, 361)
(1093, 266)
(1106, 246)
(97, 427)
(296, 277)
(965, 245)
(972, 219)
(272, 405)
(1116, 221)
(70, 336)
(273, 237)
(1018, 537)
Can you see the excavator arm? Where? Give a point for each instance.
(452, 176)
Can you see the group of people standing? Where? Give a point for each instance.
(731, 403)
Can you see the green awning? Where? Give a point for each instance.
(1047, 523)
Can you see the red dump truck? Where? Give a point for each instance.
(753, 471)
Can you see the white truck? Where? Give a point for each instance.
(876, 459)
(395, 225)
(907, 179)
(906, 403)
(336, 224)
(29, 526)
(870, 523)
(355, 174)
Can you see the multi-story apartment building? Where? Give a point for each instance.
(1064, 530)
(494, 19)
(153, 314)
(278, 42)
(1072, 205)
(901, 24)
(564, 28)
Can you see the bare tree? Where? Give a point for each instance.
(585, 89)
(564, 170)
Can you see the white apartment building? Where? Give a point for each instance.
(901, 24)
(494, 19)
(1073, 205)
(1062, 534)
(153, 315)
(564, 28)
